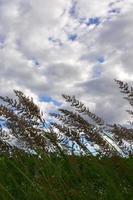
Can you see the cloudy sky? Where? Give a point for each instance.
(75, 47)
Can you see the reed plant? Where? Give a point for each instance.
(55, 162)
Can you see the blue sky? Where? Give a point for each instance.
(74, 47)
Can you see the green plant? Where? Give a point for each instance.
(27, 177)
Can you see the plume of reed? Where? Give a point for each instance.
(67, 135)
(128, 91)
(23, 119)
(110, 138)
(81, 108)
(76, 124)
(123, 134)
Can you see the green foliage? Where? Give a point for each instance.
(28, 177)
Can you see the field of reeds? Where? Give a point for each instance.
(54, 162)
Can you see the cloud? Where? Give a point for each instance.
(76, 47)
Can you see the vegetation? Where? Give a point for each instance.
(25, 177)
(24, 121)
(55, 162)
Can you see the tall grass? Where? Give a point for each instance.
(55, 172)
(27, 177)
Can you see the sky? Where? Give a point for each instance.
(75, 47)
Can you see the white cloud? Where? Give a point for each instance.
(38, 55)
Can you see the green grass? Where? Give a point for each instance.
(26, 177)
